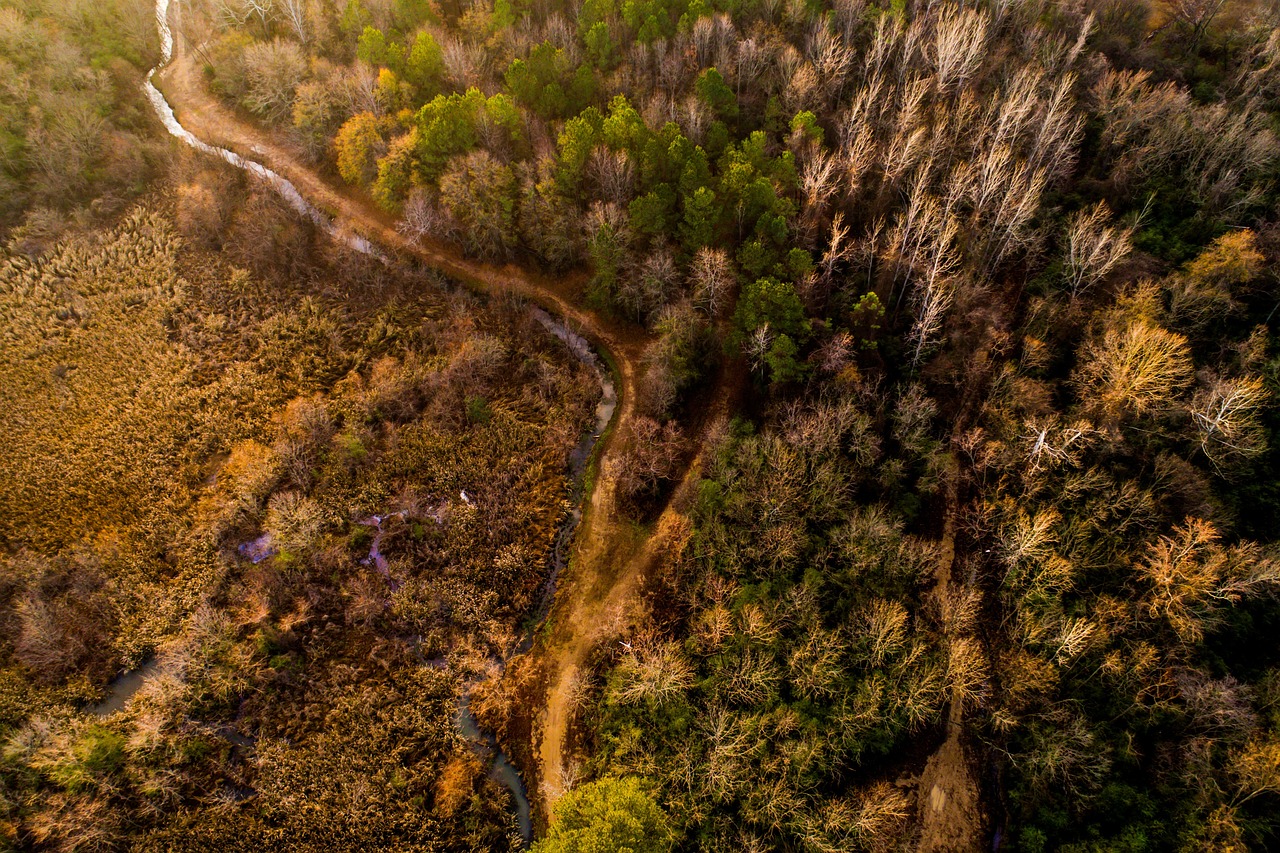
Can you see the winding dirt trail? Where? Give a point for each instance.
(610, 557)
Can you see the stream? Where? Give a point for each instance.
(500, 767)
(122, 688)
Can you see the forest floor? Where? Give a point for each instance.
(611, 555)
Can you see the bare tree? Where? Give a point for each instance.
(1227, 418)
(1188, 575)
(1195, 16)
(711, 279)
(613, 172)
(1094, 248)
(273, 71)
(959, 44)
(295, 15)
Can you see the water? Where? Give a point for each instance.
(258, 549)
(376, 557)
(501, 769)
(578, 460)
(122, 688)
(276, 181)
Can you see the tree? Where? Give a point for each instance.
(480, 193)
(354, 19)
(1194, 15)
(575, 144)
(1205, 291)
(701, 215)
(772, 303)
(678, 358)
(652, 458)
(607, 816)
(359, 145)
(546, 82)
(550, 223)
(372, 46)
(1188, 575)
(711, 278)
(959, 45)
(1133, 368)
(389, 92)
(651, 212)
(782, 359)
(396, 171)
(425, 67)
(716, 94)
(600, 46)
(315, 111)
(273, 72)
(295, 15)
(653, 674)
(1227, 418)
(1094, 248)
(456, 123)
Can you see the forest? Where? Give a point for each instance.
(937, 510)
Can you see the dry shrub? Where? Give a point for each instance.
(457, 782)
(70, 823)
(202, 213)
(64, 622)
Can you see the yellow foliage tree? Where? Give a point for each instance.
(1134, 367)
(359, 144)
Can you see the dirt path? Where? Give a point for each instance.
(610, 557)
(948, 804)
(609, 567)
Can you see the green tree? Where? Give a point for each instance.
(624, 129)
(546, 82)
(395, 172)
(535, 80)
(701, 213)
(695, 173)
(601, 47)
(716, 94)
(607, 816)
(447, 125)
(767, 301)
(579, 137)
(425, 65)
(651, 212)
(806, 125)
(372, 46)
(783, 362)
(354, 18)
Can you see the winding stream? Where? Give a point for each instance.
(500, 768)
(278, 182)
